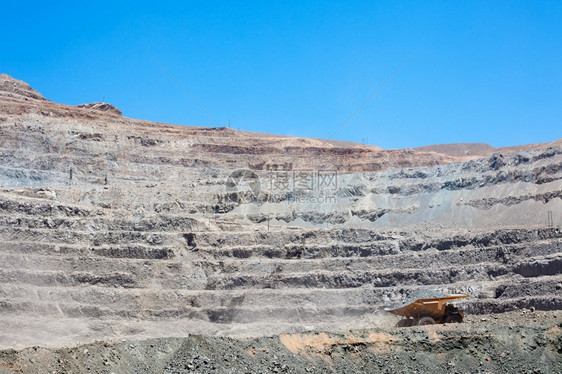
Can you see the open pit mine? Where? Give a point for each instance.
(129, 246)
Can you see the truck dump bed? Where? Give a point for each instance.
(432, 307)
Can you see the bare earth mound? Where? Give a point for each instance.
(515, 342)
(104, 107)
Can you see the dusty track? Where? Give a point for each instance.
(522, 341)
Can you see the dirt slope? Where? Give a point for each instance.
(516, 342)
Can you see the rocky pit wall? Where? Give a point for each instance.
(112, 228)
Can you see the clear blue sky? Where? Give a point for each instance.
(481, 71)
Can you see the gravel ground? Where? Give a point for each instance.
(517, 342)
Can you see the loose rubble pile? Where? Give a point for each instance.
(514, 342)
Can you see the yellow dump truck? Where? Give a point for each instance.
(429, 311)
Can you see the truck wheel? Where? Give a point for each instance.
(424, 321)
(453, 318)
(405, 322)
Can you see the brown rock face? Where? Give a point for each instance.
(16, 89)
(104, 107)
(112, 227)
